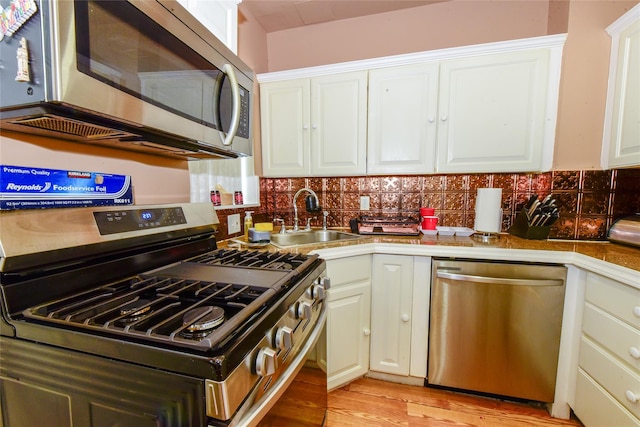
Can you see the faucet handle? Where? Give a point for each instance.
(308, 227)
(282, 227)
(325, 214)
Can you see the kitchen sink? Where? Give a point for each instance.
(310, 237)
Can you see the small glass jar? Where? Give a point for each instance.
(237, 198)
(215, 198)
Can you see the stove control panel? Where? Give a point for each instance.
(122, 221)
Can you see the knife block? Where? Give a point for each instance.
(522, 228)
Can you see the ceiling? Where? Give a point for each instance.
(277, 15)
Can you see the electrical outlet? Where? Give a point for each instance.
(364, 203)
(233, 223)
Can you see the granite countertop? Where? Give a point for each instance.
(614, 254)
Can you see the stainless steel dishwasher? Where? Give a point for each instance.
(495, 327)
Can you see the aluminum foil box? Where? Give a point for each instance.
(23, 187)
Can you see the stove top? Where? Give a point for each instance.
(196, 303)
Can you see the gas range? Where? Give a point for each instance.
(147, 286)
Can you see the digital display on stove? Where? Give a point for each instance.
(146, 215)
(124, 220)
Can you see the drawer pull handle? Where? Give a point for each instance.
(634, 352)
(636, 310)
(631, 396)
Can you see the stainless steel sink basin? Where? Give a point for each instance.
(310, 237)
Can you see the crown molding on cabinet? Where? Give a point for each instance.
(552, 41)
(624, 21)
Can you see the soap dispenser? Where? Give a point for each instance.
(248, 223)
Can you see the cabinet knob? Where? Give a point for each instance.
(305, 127)
(405, 317)
(367, 332)
(634, 352)
(444, 117)
(314, 126)
(636, 310)
(631, 396)
(431, 119)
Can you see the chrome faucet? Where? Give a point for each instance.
(295, 207)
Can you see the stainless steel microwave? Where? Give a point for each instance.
(133, 74)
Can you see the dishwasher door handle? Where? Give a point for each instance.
(499, 280)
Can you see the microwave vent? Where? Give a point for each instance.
(71, 127)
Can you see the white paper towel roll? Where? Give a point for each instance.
(488, 210)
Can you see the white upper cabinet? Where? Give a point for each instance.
(219, 16)
(285, 115)
(402, 119)
(621, 137)
(315, 126)
(482, 108)
(492, 113)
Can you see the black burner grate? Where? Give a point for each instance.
(153, 308)
(255, 259)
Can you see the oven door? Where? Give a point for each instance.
(299, 397)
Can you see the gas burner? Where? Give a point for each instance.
(135, 310)
(203, 318)
(280, 266)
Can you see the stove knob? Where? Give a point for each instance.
(315, 292)
(284, 338)
(304, 311)
(266, 362)
(325, 282)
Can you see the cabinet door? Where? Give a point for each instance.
(285, 114)
(220, 17)
(492, 113)
(402, 119)
(348, 327)
(622, 120)
(391, 303)
(348, 334)
(339, 124)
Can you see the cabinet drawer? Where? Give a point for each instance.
(349, 270)
(617, 337)
(596, 408)
(621, 300)
(610, 374)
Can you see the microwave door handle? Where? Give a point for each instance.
(235, 115)
(499, 280)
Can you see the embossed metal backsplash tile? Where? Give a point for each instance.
(589, 200)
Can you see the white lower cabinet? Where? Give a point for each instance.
(399, 319)
(348, 328)
(608, 379)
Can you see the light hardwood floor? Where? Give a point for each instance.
(368, 402)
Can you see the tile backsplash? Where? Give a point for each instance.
(589, 200)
